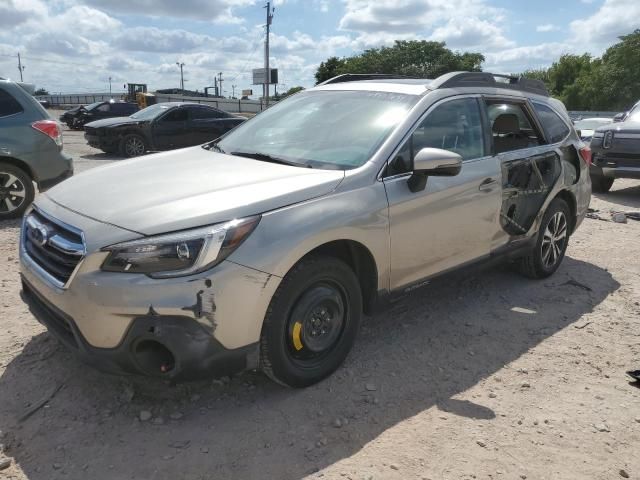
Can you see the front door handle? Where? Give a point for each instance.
(488, 184)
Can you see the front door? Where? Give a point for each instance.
(170, 130)
(454, 219)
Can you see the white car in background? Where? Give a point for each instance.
(587, 126)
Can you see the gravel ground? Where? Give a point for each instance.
(482, 375)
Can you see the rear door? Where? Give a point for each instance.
(454, 219)
(205, 124)
(530, 164)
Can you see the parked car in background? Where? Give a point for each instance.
(265, 248)
(586, 126)
(164, 126)
(30, 150)
(616, 151)
(77, 118)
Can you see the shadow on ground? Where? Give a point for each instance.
(626, 197)
(14, 223)
(430, 347)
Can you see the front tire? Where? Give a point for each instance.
(601, 184)
(16, 191)
(311, 323)
(551, 242)
(132, 146)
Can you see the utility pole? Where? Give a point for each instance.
(109, 86)
(181, 76)
(220, 83)
(20, 67)
(267, 70)
(233, 90)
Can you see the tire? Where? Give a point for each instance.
(601, 184)
(16, 191)
(550, 247)
(311, 323)
(132, 146)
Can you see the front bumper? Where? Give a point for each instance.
(209, 322)
(100, 142)
(175, 347)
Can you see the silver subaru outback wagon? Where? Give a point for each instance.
(265, 248)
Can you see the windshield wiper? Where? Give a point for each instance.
(268, 158)
(213, 146)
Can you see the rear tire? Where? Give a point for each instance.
(311, 323)
(16, 191)
(601, 184)
(551, 242)
(132, 146)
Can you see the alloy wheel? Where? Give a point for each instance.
(554, 240)
(12, 192)
(134, 147)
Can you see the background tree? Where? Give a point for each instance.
(291, 91)
(585, 83)
(41, 91)
(411, 58)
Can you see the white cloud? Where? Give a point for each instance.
(205, 10)
(614, 18)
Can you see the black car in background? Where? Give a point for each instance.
(615, 151)
(79, 116)
(164, 126)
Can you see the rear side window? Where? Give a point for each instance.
(8, 104)
(511, 127)
(200, 113)
(556, 129)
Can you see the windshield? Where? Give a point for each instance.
(151, 112)
(91, 106)
(324, 129)
(591, 123)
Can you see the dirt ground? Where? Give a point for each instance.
(484, 375)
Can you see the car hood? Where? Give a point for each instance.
(188, 188)
(622, 127)
(109, 122)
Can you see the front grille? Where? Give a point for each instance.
(56, 248)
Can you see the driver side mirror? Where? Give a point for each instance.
(433, 162)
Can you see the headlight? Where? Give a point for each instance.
(182, 253)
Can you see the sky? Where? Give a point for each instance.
(76, 45)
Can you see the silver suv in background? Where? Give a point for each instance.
(30, 149)
(264, 249)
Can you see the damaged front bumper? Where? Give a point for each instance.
(181, 328)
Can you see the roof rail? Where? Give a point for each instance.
(486, 79)
(354, 77)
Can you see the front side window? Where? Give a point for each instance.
(455, 125)
(338, 129)
(556, 129)
(511, 127)
(8, 104)
(104, 108)
(177, 115)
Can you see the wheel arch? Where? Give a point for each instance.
(21, 165)
(570, 200)
(360, 260)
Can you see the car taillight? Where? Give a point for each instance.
(585, 154)
(51, 128)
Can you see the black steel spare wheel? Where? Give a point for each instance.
(316, 323)
(311, 323)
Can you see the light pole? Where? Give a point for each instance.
(233, 91)
(181, 76)
(109, 86)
